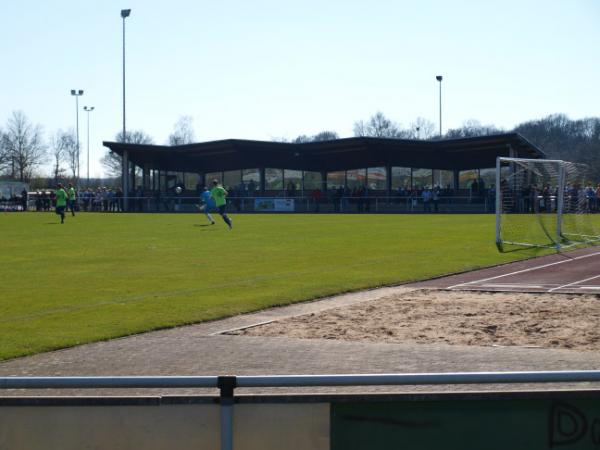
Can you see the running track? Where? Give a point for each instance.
(576, 272)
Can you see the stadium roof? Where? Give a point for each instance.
(339, 154)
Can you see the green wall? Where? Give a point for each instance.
(472, 424)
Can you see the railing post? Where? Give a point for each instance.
(226, 385)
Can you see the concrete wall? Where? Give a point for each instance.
(163, 427)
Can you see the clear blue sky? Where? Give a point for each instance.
(269, 69)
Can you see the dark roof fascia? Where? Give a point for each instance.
(465, 143)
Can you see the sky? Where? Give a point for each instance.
(268, 69)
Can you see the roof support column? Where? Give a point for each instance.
(125, 178)
(324, 181)
(263, 180)
(146, 177)
(388, 183)
(456, 179)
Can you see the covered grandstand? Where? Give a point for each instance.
(381, 167)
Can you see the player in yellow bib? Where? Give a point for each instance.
(218, 194)
(61, 202)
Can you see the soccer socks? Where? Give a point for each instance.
(210, 218)
(227, 220)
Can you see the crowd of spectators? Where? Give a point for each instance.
(532, 198)
(528, 199)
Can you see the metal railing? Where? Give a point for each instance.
(228, 384)
(301, 204)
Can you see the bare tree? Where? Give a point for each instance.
(112, 162)
(134, 137)
(319, 137)
(183, 131)
(422, 129)
(4, 154)
(71, 153)
(24, 145)
(325, 136)
(63, 147)
(379, 126)
(472, 128)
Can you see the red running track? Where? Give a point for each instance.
(576, 272)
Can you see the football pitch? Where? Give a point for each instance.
(101, 276)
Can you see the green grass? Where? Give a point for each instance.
(100, 276)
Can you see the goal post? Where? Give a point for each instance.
(543, 203)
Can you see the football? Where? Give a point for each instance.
(178, 190)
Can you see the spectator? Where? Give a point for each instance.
(426, 197)
(316, 196)
(24, 200)
(119, 199)
(435, 198)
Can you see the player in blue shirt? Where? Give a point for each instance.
(208, 205)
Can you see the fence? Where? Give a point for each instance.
(374, 204)
(546, 417)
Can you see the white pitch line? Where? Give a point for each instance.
(574, 283)
(517, 286)
(524, 270)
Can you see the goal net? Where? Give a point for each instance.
(544, 203)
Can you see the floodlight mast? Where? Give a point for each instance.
(88, 110)
(440, 78)
(77, 93)
(125, 161)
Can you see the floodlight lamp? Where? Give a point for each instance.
(72, 91)
(125, 13)
(438, 77)
(80, 92)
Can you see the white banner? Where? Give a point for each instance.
(274, 204)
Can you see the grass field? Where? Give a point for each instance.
(100, 276)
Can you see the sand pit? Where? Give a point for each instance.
(455, 318)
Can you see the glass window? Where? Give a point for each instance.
(273, 179)
(312, 180)
(377, 178)
(163, 180)
(251, 179)
(191, 181)
(356, 178)
(293, 180)
(401, 178)
(487, 178)
(232, 178)
(171, 180)
(421, 178)
(335, 179)
(466, 178)
(211, 176)
(445, 179)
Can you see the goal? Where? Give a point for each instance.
(544, 203)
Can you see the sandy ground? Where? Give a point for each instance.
(566, 321)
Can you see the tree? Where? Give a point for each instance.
(183, 131)
(24, 146)
(134, 137)
(4, 154)
(422, 129)
(379, 126)
(472, 128)
(112, 162)
(319, 137)
(562, 138)
(63, 147)
(325, 136)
